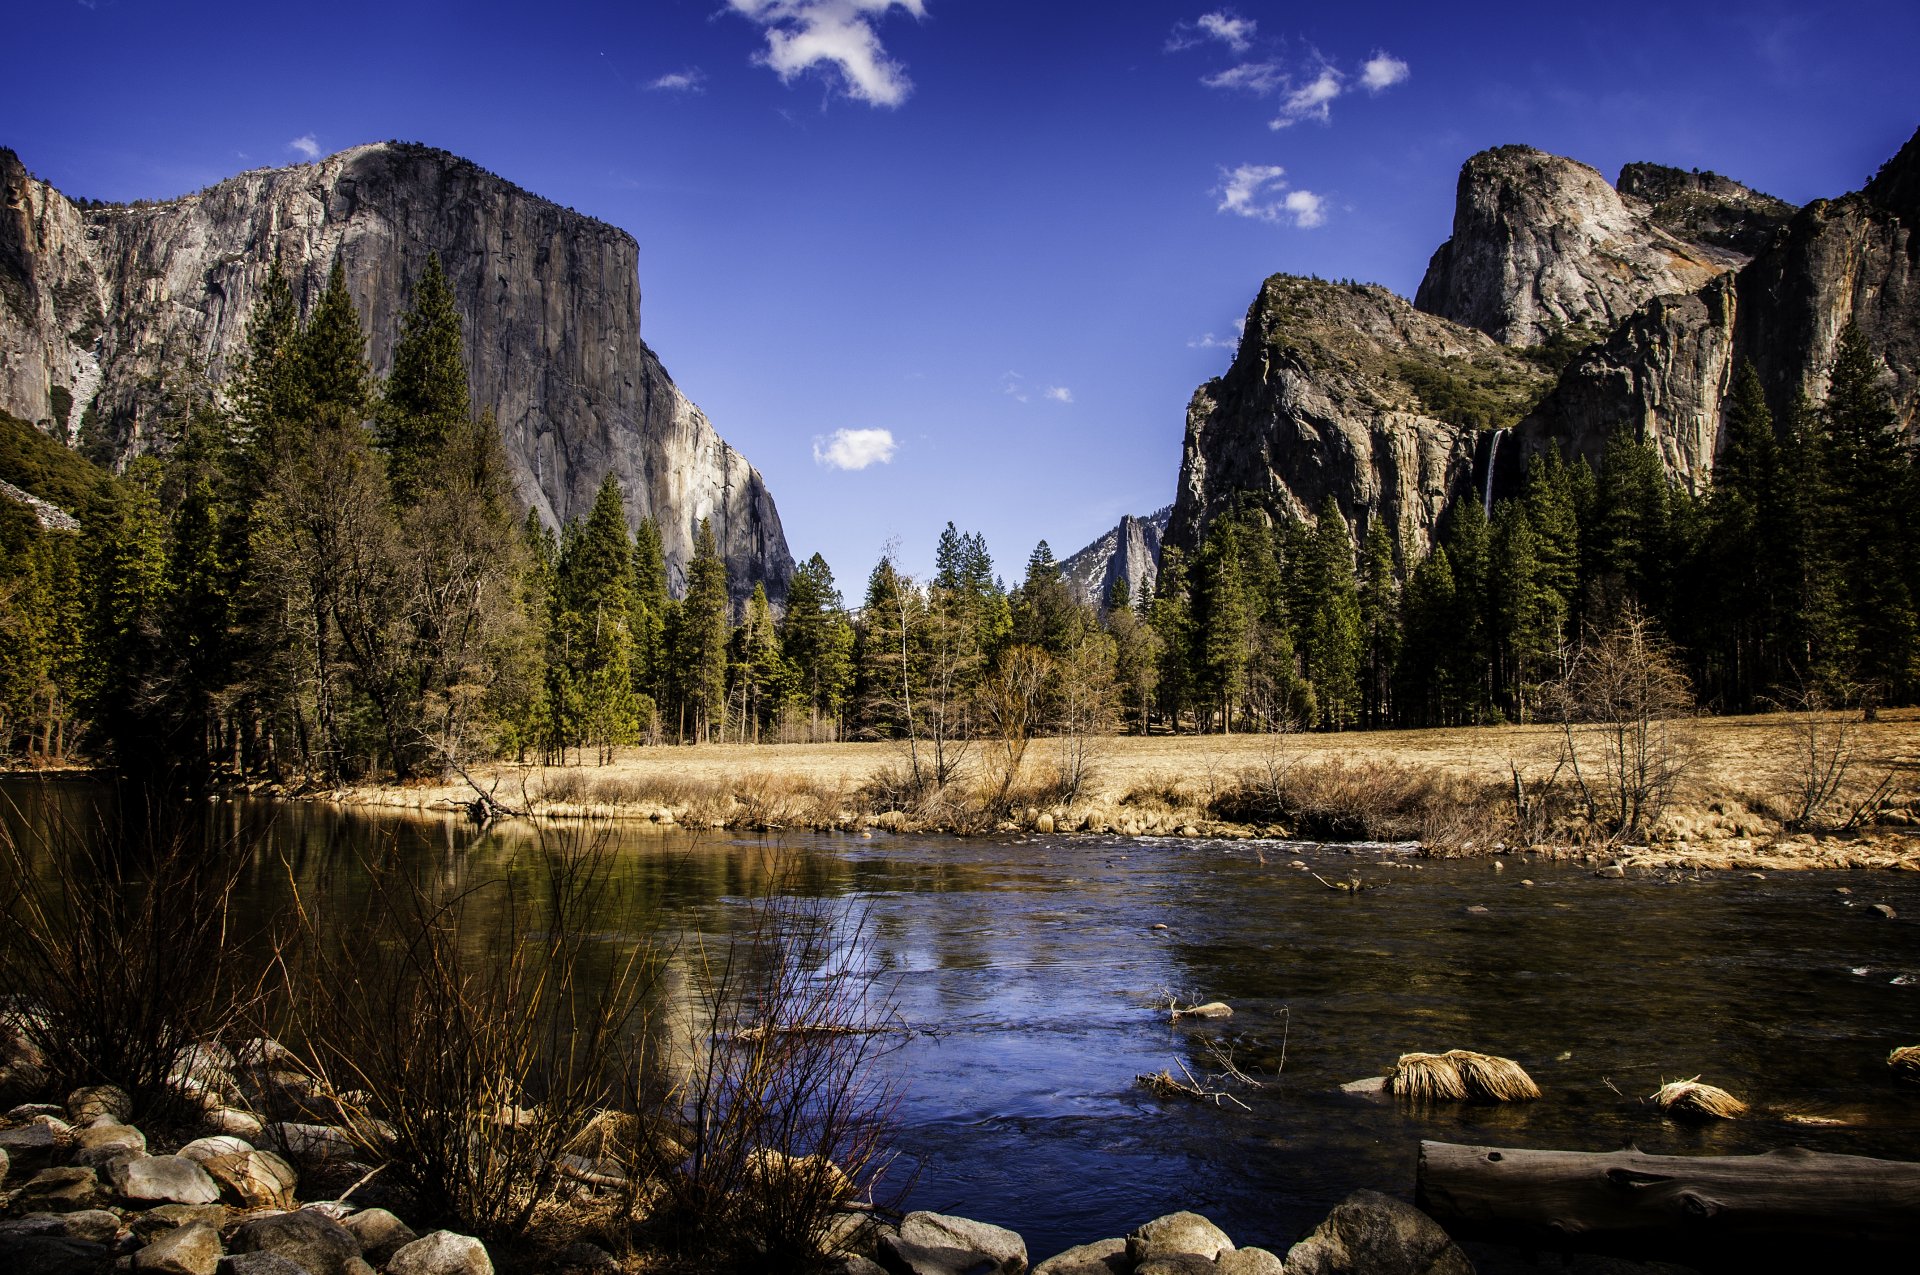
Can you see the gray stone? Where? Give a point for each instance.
(260, 1263)
(441, 1253)
(1372, 1234)
(187, 1250)
(166, 1217)
(204, 1149)
(254, 1179)
(100, 1143)
(313, 1143)
(1249, 1261)
(1177, 1233)
(553, 336)
(6, 1164)
(96, 1225)
(28, 1110)
(1176, 1264)
(1102, 1257)
(163, 1179)
(851, 1232)
(315, 1243)
(52, 1255)
(903, 1257)
(939, 1230)
(88, 1104)
(380, 1233)
(854, 1264)
(62, 1190)
(232, 1122)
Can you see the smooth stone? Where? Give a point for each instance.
(442, 1253)
(263, 1051)
(100, 1143)
(1371, 1085)
(1250, 1261)
(1102, 1257)
(165, 1179)
(260, 1263)
(6, 1165)
(940, 1230)
(63, 1190)
(1372, 1234)
(52, 1255)
(193, 1249)
(254, 1179)
(854, 1264)
(1177, 1233)
(167, 1217)
(319, 1143)
(856, 1233)
(1212, 1009)
(88, 1104)
(96, 1226)
(1177, 1264)
(903, 1257)
(28, 1110)
(204, 1149)
(380, 1233)
(309, 1240)
(232, 1122)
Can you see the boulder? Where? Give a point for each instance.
(232, 1122)
(1372, 1234)
(188, 1250)
(163, 1179)
(582, 1258)
(28, 1110)
(88, 1104)
(903, 1257)
(31, 1145)
(254, 1179)
(167, 1217)
(1177, 1264)
(261, 1263)
(312, 1241)
(98, 1143)
(380, 1233)
(1177, 1233)
(851, 1232)
(854, 1264)
(1102, 1257)
(202, 1150)
(442, 1253)
(6, 1165)
(63, 1190)
(94, 1225)
(1249, 1261)
(52, 1255)
(315, 1143)
(938, 1230)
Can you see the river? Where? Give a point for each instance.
(1032, 979)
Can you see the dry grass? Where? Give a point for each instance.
(1689, 1099)
(1426, 1078)
(1494, 1079)
(1905, 1062)
(1458, 1075)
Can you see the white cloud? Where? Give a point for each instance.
(1208, 341)
(1059, 393)
(1255, 190)
(691, 80)
(1311, 101)
(307, 146)
(1258, 78)
(805, 34)
(1383, 71)
(1223, 25)
(854, 448)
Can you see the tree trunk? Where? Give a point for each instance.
(1631, 1201)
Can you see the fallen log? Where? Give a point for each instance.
(1629, 1201)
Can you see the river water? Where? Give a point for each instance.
(1032, 977)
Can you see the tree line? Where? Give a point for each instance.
(322, 575)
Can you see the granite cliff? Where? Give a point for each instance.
(1130, 552)
(108, 312)
(1561, 310)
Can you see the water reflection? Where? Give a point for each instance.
(1034, 985)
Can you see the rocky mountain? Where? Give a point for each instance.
(1131, 551)
(1561, 310)
(107, 312)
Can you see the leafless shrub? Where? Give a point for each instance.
(1617, 704)
(783, 1109)
(121, 946)
(478, 1028)
(1372, 800)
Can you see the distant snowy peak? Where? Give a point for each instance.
(1131, 551)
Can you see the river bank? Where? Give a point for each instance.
(1460, 792)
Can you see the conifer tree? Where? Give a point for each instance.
(818, 639)
(704, 628)
(1379, 598)
(426, 400)
(1172, 622)
(1223, 623)
(1333, 650)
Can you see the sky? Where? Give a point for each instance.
(967, 260)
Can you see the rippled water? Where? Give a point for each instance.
(1034, 984)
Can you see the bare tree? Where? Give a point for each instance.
(1083, 706)
(1013, 701)
(1617, 703)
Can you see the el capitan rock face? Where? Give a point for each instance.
(104, 309)
(1667, 285)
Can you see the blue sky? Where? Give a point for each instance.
(1014, 236)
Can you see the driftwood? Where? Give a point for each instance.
(1628, 1201)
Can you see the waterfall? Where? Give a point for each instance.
(1493, 454)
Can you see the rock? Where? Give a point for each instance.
(261, 1263)
(6, 1164)
(1372, 1234)
(232, 1122)
(851, 1232)
(63, 1190)
(204, 1149)
(96, 1226)
(34, 1224)
(1177, 1233)
(189, 1250)
(854, 1264)
(582, 1258)
(165, 1179)
(903, 1257)
(1212, 1009)
(1176, 1264)
(938, 1230)
(549, 301)
(1886, 910)
(380, 1233)
(99, 1143)
(167, 1217)
(812, 1172)
(1131, 551)
(52, 1255)
(1371, 1085)
(1249, 1261)
(442, 1253)
(315, 1243)
(28, 1110)
(84, 1106)
(316, 1143)
(1102, 1257)
(254, 1179)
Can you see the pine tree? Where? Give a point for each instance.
(818, 639)
(1223, 623)
(335, 384)
(1045, 614)
(1172, 622)
(1333, 649)
(651, 608)
(701, 654)
(1379, 598)
(426, 400)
